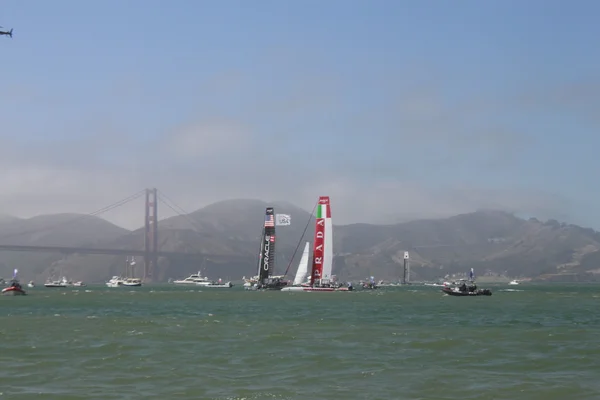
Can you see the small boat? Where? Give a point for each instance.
(218, 284)
(14, 288)
(457, 292)
(513, 282)
(132, 282)
(115, 281)
(79, 283)
(370, 284)
(31, 284)
(465, 289)
(63, 283)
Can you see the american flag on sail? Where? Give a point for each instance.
(269, 221)
(272, 239)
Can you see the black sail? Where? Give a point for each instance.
(267, 247)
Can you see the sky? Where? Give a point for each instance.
(396, 109)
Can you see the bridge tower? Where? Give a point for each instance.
(150, 234)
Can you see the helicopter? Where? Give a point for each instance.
(7, 33)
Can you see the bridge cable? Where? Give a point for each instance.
(162, 198)
(78, 218)
(182, 213)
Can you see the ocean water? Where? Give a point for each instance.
(166, 342)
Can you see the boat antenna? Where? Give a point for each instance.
(302, 237)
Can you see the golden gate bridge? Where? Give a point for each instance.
(150, 251)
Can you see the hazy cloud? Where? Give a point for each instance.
(408, 156)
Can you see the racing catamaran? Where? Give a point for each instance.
(322, 260)
(266, 257)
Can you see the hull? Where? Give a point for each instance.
(132, 284)
(313, 289)
(12, 291)
(219, 285)
(55, 285)
(478, 292)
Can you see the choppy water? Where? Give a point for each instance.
(540, 342)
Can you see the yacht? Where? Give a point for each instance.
(115, 281)
(62, 283)
(194, 279)
(132, 282)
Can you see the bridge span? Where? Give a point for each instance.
(150, 252)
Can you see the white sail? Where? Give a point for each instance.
(302, 267)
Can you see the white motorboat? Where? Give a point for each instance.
(62, 283)
(115, 281)
(132, 282)
(513, 282)
(194, 279)
(218, 284)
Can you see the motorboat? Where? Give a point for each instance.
(132, 282)
(218, 284)
(115, 281)
(194, 279)
(513, 282)
(62, 283)
(471, 291)
(79, 283)
(14, 288)
(31, 284)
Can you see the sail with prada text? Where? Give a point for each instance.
(323, 244)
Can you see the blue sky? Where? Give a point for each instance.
(396, 109)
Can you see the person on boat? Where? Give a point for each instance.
(463, 287)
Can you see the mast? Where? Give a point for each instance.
(406, 276)
(260, 252)
(322, 248)
(267, 247)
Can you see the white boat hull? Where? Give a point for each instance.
(131, 284)
(216, 285)
(312, 289)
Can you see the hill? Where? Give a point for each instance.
(50, 230)
(492, 242)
